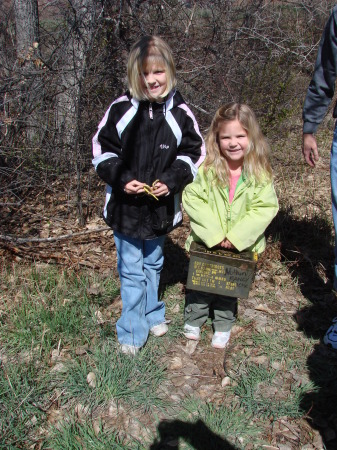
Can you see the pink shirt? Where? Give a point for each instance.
(233, 182)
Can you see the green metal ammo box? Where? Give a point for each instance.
(221, 271)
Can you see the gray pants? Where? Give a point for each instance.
(201, 305)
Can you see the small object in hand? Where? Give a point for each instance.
(148, 189)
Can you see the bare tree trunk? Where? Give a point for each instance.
(27, 29)
(81, 18)
(28, 57)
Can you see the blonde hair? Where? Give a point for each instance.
(256, 160)
(153, 50)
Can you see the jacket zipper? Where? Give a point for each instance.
(151, 136)
(229, 211)
(141, 212)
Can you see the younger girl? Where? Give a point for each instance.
(230, 204)
(147, 149)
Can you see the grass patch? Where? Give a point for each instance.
(104, 291)
(206, 425)
(22, 391)
(257, 390)
(53, 311)
(75, 435)
(50, 306)
(280, 346)
(118, 377)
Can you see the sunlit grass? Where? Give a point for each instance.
(134, 380)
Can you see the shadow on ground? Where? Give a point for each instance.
(175, 265)
(307, 250)
(197, 434)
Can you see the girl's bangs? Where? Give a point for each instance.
(154, 60)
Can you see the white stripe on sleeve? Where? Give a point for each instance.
(196, 127)
(193, 167)
(125, 120)
(96, 146)
(174, 127)
(98, 159)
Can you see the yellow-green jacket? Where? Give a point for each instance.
(243, 222)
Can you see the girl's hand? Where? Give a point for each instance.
(227, 244)
(159, 189)
(134, 187)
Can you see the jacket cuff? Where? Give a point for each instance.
(211, 241)
(310, 127)
(125, 178)
(238, 244)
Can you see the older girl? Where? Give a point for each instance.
(147, 149)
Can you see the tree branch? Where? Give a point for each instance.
(18, 240)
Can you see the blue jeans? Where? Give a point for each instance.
(333, 175)
(139, 264)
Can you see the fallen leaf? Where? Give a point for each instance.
(176, 363)
(81, 411)
(91, 379)
(264, 308)
(96, 424)
(190, 347)
(99, 317)
(225, 381)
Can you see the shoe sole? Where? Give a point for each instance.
(129, 351)
(157, 334)
(191, 337)
(219, 346)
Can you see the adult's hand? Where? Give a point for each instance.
(309, 149)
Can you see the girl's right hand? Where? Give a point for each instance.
(134, 187)
(226, 244)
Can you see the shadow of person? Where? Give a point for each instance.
(308, 252)
(175, 265)
(320, 404)
(307, 249)
(196, 434)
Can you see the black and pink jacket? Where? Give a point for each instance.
(146, 141)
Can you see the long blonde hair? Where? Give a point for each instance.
(154, 50)
(256, 160)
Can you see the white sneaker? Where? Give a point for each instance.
(159, 330)
(220, 339)
(191, 332)
(330, 337)
(129, 349)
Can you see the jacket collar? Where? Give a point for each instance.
(168, 101)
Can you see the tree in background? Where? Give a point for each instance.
(81, 20)
(29, 65)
